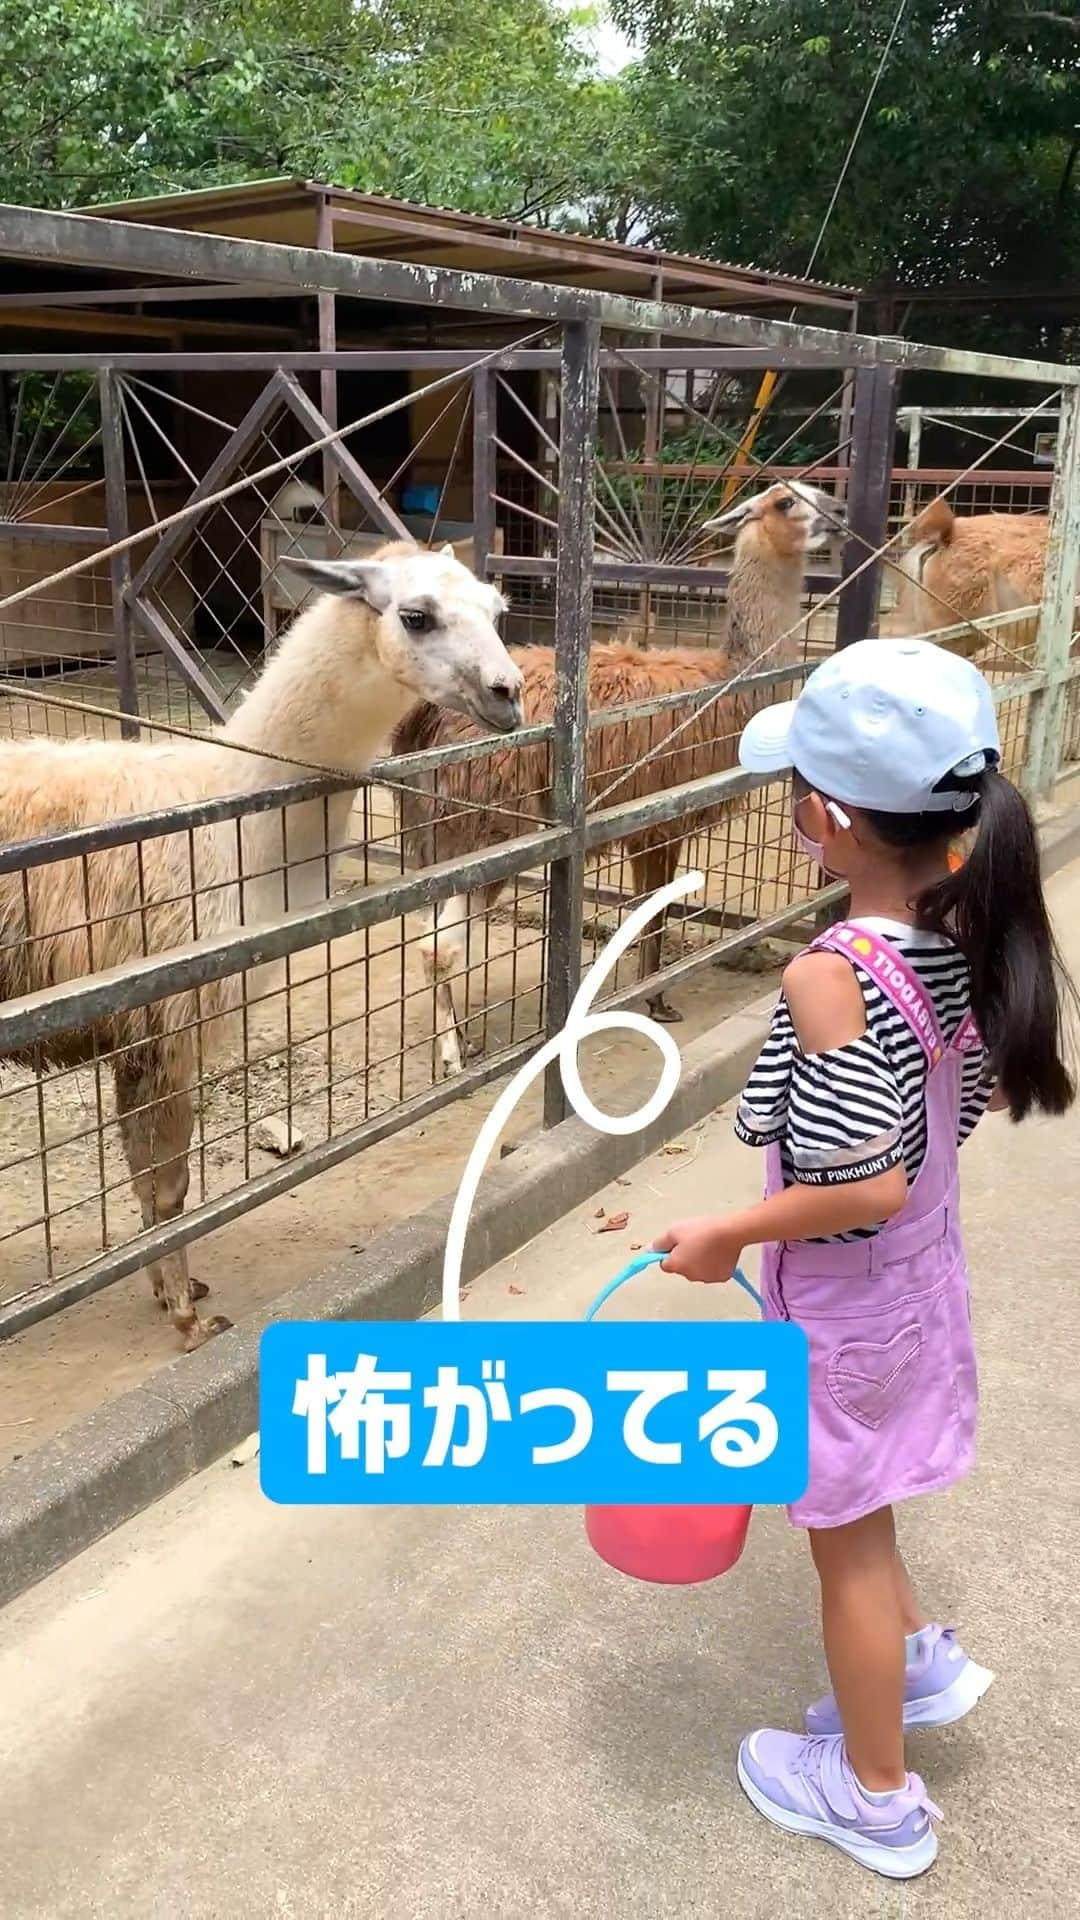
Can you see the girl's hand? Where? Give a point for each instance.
(705, 1250)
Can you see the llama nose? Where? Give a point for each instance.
(510, 691)
(506, 701)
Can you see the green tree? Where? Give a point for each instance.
(724, 137)
(489, 107)
(967, 167)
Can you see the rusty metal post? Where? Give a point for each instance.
(653, 491)
(328, 389)
(843, 435)
(1053, 640)
(874, 430)
(484, 399)
(914, 455)
(573, 632)
(116, 521)
(847, 408)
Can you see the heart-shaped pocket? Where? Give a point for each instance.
(868, 1379)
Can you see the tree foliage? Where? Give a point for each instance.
(486, 107)
(966, 168)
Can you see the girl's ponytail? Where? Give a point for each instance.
(994, 910)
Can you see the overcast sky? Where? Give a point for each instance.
(610, 48)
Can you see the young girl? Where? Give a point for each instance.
(939, 996)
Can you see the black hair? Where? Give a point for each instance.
(993, 909)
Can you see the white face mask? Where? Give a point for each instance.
(815, 849)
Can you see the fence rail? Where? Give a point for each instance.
(539, 845)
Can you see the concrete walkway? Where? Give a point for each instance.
(232, 1710)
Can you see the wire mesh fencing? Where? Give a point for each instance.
(212, 988)
(185, 1068)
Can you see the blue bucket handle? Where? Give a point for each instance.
(639, 1264)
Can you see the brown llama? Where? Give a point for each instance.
(963, 567)
(516, 781)
(773, 533)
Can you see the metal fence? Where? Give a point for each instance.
(155, 1028)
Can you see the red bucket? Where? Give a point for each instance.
(670, 1546)
(673, 1546)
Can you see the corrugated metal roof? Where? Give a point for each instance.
(389, 221)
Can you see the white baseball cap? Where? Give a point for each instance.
(881, 724)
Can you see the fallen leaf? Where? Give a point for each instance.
(600, 1212)
(512, 1289)
(621, 1183)
(675, 1146)
(636, 1246)
(614, 1222)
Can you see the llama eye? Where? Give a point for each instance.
(785, 505)
(415, 620)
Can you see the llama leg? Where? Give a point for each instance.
(155, 1128)
(652, 870)
(442, 951)
(132, 1092)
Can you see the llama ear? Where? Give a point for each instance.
(448, 549)
(362, 580)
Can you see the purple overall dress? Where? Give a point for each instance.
(888, 1319)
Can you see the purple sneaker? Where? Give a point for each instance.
(941, 1684)
(806, 1785)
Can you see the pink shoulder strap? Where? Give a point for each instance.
(967, 1038)
(898, 982)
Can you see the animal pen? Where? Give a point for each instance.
(212, 469)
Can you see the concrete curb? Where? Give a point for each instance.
(63, 1496)
(107, 1467)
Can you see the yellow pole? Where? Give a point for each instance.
(746, 444)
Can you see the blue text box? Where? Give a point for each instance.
(401, 1413)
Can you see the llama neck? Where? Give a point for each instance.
(764, 602)
(324, 700)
